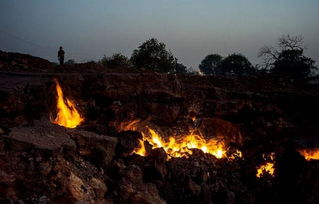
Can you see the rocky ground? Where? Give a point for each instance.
(41, 162)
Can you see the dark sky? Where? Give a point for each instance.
(191, 29)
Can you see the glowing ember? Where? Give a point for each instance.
(125, 126)
(67, 114)
(182, 147)
(310, 154)
(267, 168)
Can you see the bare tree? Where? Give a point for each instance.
(270, 55)
(285, 42)
(288, 42)
(288, 58)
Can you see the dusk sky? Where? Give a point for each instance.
(191, 29)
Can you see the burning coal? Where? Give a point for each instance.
(67, 114)
(310, 154)
(183, 146)
(268, 167)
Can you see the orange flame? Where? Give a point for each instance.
(67, 114)
(141, 149)
(268, 167)
(183, 146)
(310, 154)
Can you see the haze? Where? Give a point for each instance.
(191, 29)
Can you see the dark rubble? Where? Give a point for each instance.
(41, 162)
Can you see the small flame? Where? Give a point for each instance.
(67, 114)
(268, 167)
(141, 149)
(265, 168)
(182, 147)
(236, 154)
(310, 154)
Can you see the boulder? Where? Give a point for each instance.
(100, 149)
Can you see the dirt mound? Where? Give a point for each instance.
(264, 120)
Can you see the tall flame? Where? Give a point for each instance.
(183, 146)
(268, 167)
(310, 154)
(67, 114)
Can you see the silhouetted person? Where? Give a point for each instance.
(61, 55)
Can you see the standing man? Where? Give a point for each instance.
(61, 55)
